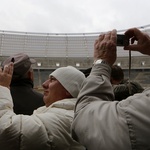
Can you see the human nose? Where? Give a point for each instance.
(45, 84)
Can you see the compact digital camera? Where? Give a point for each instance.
(122, 40)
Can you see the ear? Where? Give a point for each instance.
(30, 75)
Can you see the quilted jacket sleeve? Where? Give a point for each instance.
(48, 128)
(19, 131)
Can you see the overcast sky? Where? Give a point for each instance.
(73, 16)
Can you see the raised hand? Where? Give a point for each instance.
(105, 47)
(6, 75)
(143, 41)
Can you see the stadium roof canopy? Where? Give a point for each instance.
(54, 44)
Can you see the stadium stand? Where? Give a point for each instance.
(53, 50)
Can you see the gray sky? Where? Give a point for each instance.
(72, 16)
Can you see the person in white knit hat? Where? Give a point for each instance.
(49, 126)
(63, 83)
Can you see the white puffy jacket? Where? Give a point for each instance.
(47, 129)
(101, 124)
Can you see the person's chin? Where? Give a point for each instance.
(45, 99)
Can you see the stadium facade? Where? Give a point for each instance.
(53, 50)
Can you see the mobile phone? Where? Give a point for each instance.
(122, 40)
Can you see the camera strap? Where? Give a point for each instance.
(129, 71)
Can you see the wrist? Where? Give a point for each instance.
(100, 61)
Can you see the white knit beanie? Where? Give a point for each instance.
(70, 78)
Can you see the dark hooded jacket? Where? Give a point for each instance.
(25, 98)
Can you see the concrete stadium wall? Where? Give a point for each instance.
(140, 75)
